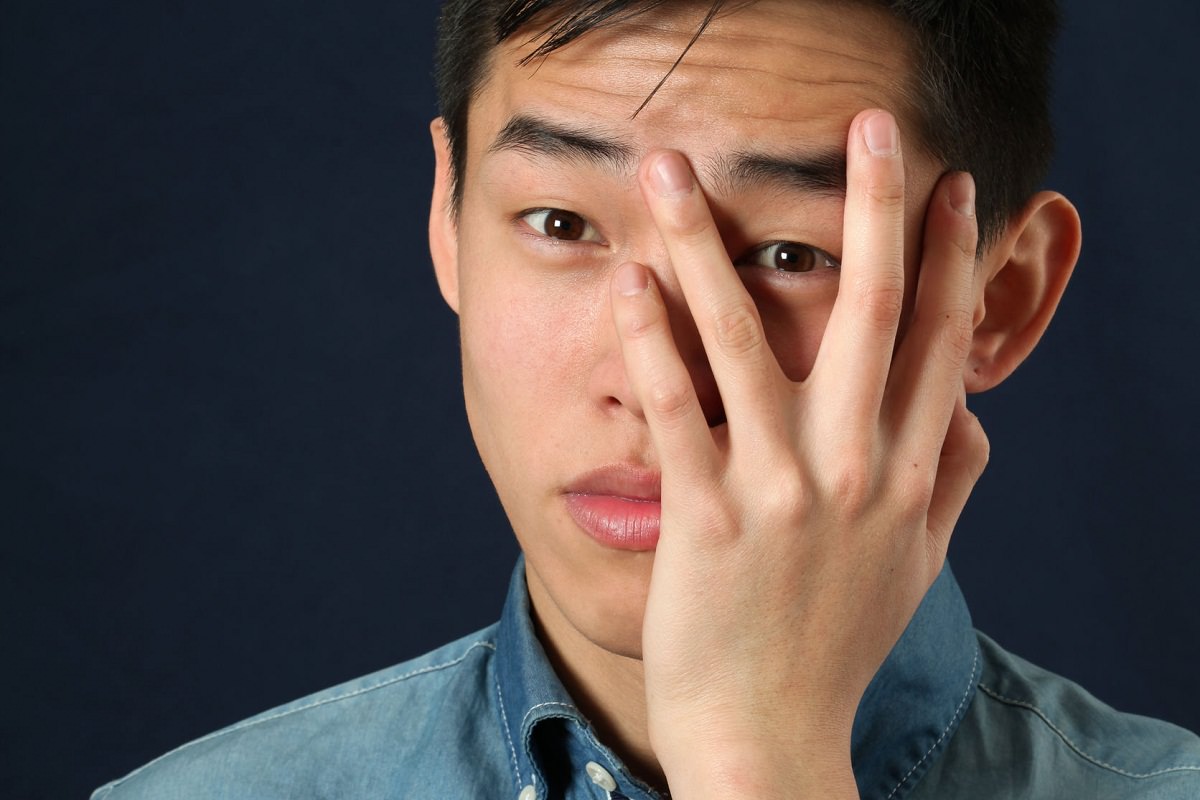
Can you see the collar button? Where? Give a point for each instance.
(600, 776)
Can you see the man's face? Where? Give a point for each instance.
(551, 207)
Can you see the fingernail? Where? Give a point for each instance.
(879, 131)
(671, 176)
(962, 194)
(631, 279)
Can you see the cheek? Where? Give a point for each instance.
(510, 335)
(794, 323)
(523, 347)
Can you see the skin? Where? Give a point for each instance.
(810, 428)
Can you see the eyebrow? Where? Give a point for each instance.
(820, 172)
(539, 137)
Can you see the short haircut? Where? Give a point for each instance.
(980, 88)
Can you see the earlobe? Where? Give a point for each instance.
(443, 226)
(1025, 275)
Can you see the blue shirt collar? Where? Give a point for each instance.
(905, 720)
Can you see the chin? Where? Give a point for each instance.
(612, 619)
(603, 600)
(619, 634)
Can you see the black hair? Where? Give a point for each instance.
(981, 81)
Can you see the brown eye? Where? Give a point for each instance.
(790, 257)
(563, 225)
(566, 226)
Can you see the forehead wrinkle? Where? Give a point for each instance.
(731, 46)
(809, 79)
(723, 51)
(626, 60)
(688, 71)
(631, 56)
(888, 53)
(739, 43)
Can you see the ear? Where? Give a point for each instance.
(1025, 274)
(443, 226)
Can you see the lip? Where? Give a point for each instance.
(619, 506)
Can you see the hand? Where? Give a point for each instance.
(797, 541)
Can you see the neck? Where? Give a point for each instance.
(609, 688)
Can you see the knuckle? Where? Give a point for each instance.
(881, 299)
(887, 194)
(914, 488)
(644, 322)
(967, 242)
(852, 488)
(737, 329)
(784, 495)
(690, 226)
(956, 336)
(669, 401)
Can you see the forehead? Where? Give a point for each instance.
(788, 73)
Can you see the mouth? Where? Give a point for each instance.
(619, 506)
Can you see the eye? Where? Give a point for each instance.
(789, 257)
(566, 226)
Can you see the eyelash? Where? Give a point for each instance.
(817, 259)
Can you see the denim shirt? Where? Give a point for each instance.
(949, 715)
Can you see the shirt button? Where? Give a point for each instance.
(600, 776)
(528, 793)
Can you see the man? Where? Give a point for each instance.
(725, 274)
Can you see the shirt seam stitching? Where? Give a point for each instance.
(1076, 748)
(949, 725)
(240, 726)
(508, 735)
(548, 704)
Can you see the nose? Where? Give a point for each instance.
(611, 385)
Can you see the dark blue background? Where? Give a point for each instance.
(234, 465)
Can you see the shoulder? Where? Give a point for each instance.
(1031, 733)
(377, 735)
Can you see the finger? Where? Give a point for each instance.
(660, 380)
(747, 375)
(963, 458)
(853, 361)
(926, 377)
